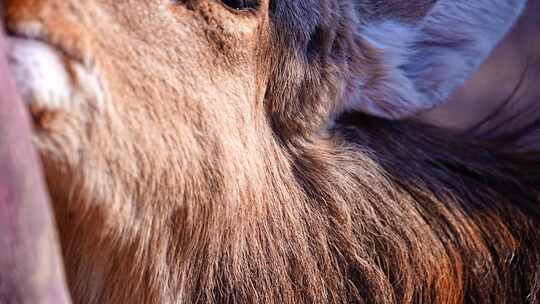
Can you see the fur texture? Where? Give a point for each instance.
(221, 167)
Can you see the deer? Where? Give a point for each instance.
(267, 151)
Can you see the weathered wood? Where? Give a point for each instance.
(30, 262)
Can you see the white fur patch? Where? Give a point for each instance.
(51, 81)
(40, 73)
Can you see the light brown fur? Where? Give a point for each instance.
(210, 173)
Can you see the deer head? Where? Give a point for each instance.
(168, 129)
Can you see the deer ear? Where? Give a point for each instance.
(420, 63)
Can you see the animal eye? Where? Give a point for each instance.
(241, 4)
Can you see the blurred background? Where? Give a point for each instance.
(504, 96)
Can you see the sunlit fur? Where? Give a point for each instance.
(221, 167)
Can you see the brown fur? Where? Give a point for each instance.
(211, 174)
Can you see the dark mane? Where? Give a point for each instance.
(390, 212)
(444, 219)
